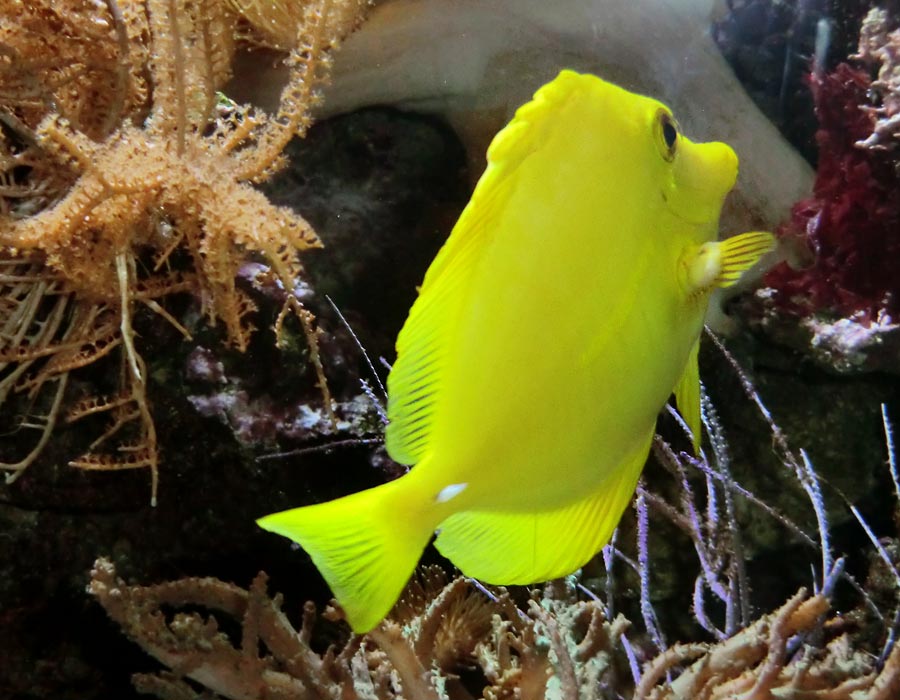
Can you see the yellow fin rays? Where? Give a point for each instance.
(522, 548)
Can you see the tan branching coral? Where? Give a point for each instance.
(83, 60)
(560, 648)
(271, 22)
(119, 161)
(437, 630)
(756, 664)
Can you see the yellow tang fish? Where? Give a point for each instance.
(564, 309)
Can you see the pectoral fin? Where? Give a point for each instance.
(687, 396)
(721, 263)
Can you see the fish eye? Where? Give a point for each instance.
(668, 132)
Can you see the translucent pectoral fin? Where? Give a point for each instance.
(721, 263)
(522, 548)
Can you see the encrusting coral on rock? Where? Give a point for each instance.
(126, 178)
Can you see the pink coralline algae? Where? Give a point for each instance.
(851, 224)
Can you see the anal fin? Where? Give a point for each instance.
(520, 548)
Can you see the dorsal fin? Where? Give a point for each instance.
(416, 377)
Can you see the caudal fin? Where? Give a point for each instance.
(364, 545)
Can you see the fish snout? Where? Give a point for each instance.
(704, 174)
(711, 166)
(724, 160)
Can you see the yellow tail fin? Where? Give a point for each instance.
(365, 546)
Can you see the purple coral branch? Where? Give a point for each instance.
(699, 606)
(737, 604)
(833, 576)
(882, 552)
(803, 468)
(894, 629)
(810, 482)
(326, 448)
(712, 499)
(610, 582)
(715, 532)
(377, 403)
(705, 553)
(619, 554)
(647, 611)
(891, 640)
(671, 410)
(892, 454)
(885, 557)
(482, 588)
(751, 393)
(632, 660)
(755, 500)
(609, 552)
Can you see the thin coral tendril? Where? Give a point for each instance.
(358, 345)
(892, 454)
(49, 423)
(125, 317)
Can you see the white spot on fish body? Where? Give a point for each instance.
(449, 492)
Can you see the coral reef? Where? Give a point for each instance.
(127, 178)
(437, 631)
(460, 640)
(713, 543)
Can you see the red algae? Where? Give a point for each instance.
(851, 223)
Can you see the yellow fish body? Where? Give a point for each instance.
(564, 309)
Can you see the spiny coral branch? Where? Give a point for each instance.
(154, 165)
